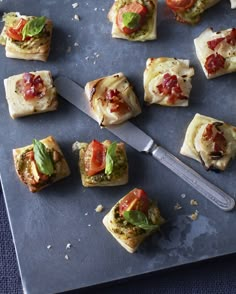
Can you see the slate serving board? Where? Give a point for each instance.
(65, 212)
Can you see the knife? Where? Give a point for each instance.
(140, 141)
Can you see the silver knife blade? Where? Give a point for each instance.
(139, 140)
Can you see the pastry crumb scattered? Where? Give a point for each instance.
(86, 213)
(49, 246)
(99, 208)
(194, 215)
(183, 195)
(66, 257)
(68, 246)
(193, 202)
(95, 9)
(89, 225)
(76, 17)
(75, 5)
(177, 206)
(76, 44)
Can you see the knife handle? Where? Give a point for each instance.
(210, 191)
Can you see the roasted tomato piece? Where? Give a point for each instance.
(95, 158)
(214, 62)
(216, 136)
(135, 200)
(231, 38)
(180, 5)
(134, 7)
(16, 32)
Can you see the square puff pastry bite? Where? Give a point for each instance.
(132, 219)
(210, 141)
(26, 37)
(40, 164)
(167, 81)
(102, 163)
(112, 99)
(134, 20)
(233, 4)
(216, 52)
(190, 11)
(30, 93)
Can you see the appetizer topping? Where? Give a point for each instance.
(170, 87)
(231, 38)
(116, 102)
(213, 43)
(180, 5)
(135, 200)
(95, 158)
(131, 17)
(214, 62)
(25, 29)
(110, 158)
(31, 86)
(43, 158)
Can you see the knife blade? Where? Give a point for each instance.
(140, 141)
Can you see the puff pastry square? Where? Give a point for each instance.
(119, 174)
(36, 47)
(28, 169)
(167, 81)
(40, 84)
(130, 236)
(210, 141)
(216, 52)
(233, 4)
(145, 27)
(112, 99)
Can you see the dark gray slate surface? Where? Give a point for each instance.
(64, 213)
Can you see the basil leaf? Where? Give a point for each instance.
(33, 27)
(139, 219)
(42, 157)
(110, 158)
(131, 20)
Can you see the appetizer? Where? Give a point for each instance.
(216, 52)
(26, 37)
(134, 20)
(167, 81)
(30, 93)
(132, 219)
(210, 141)
(40, 164)
(112, 99)
(189, 11)
(102, 163)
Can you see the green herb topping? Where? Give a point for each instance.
(110, 158)
(139, 219)
(33, 27)
(131, 20)
(43, 158)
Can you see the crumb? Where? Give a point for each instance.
(183, 195)
(99, 208)
(89, 225)
(86, 213)
(95, 9)
(68, 246)
(76, 44)
(66, 257)
(79, 239)
(69, 36)
(177, 206)
(94, 62)
(74, 5)
(76, 17)
(49, 246)
(194, 215)
(87, 58)
(97, 55)
(193, 202)
(103, 9)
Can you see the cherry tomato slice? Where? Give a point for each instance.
(95, 158)
(180, 5)
(15, 33)
(135, 200)
(131, 7)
